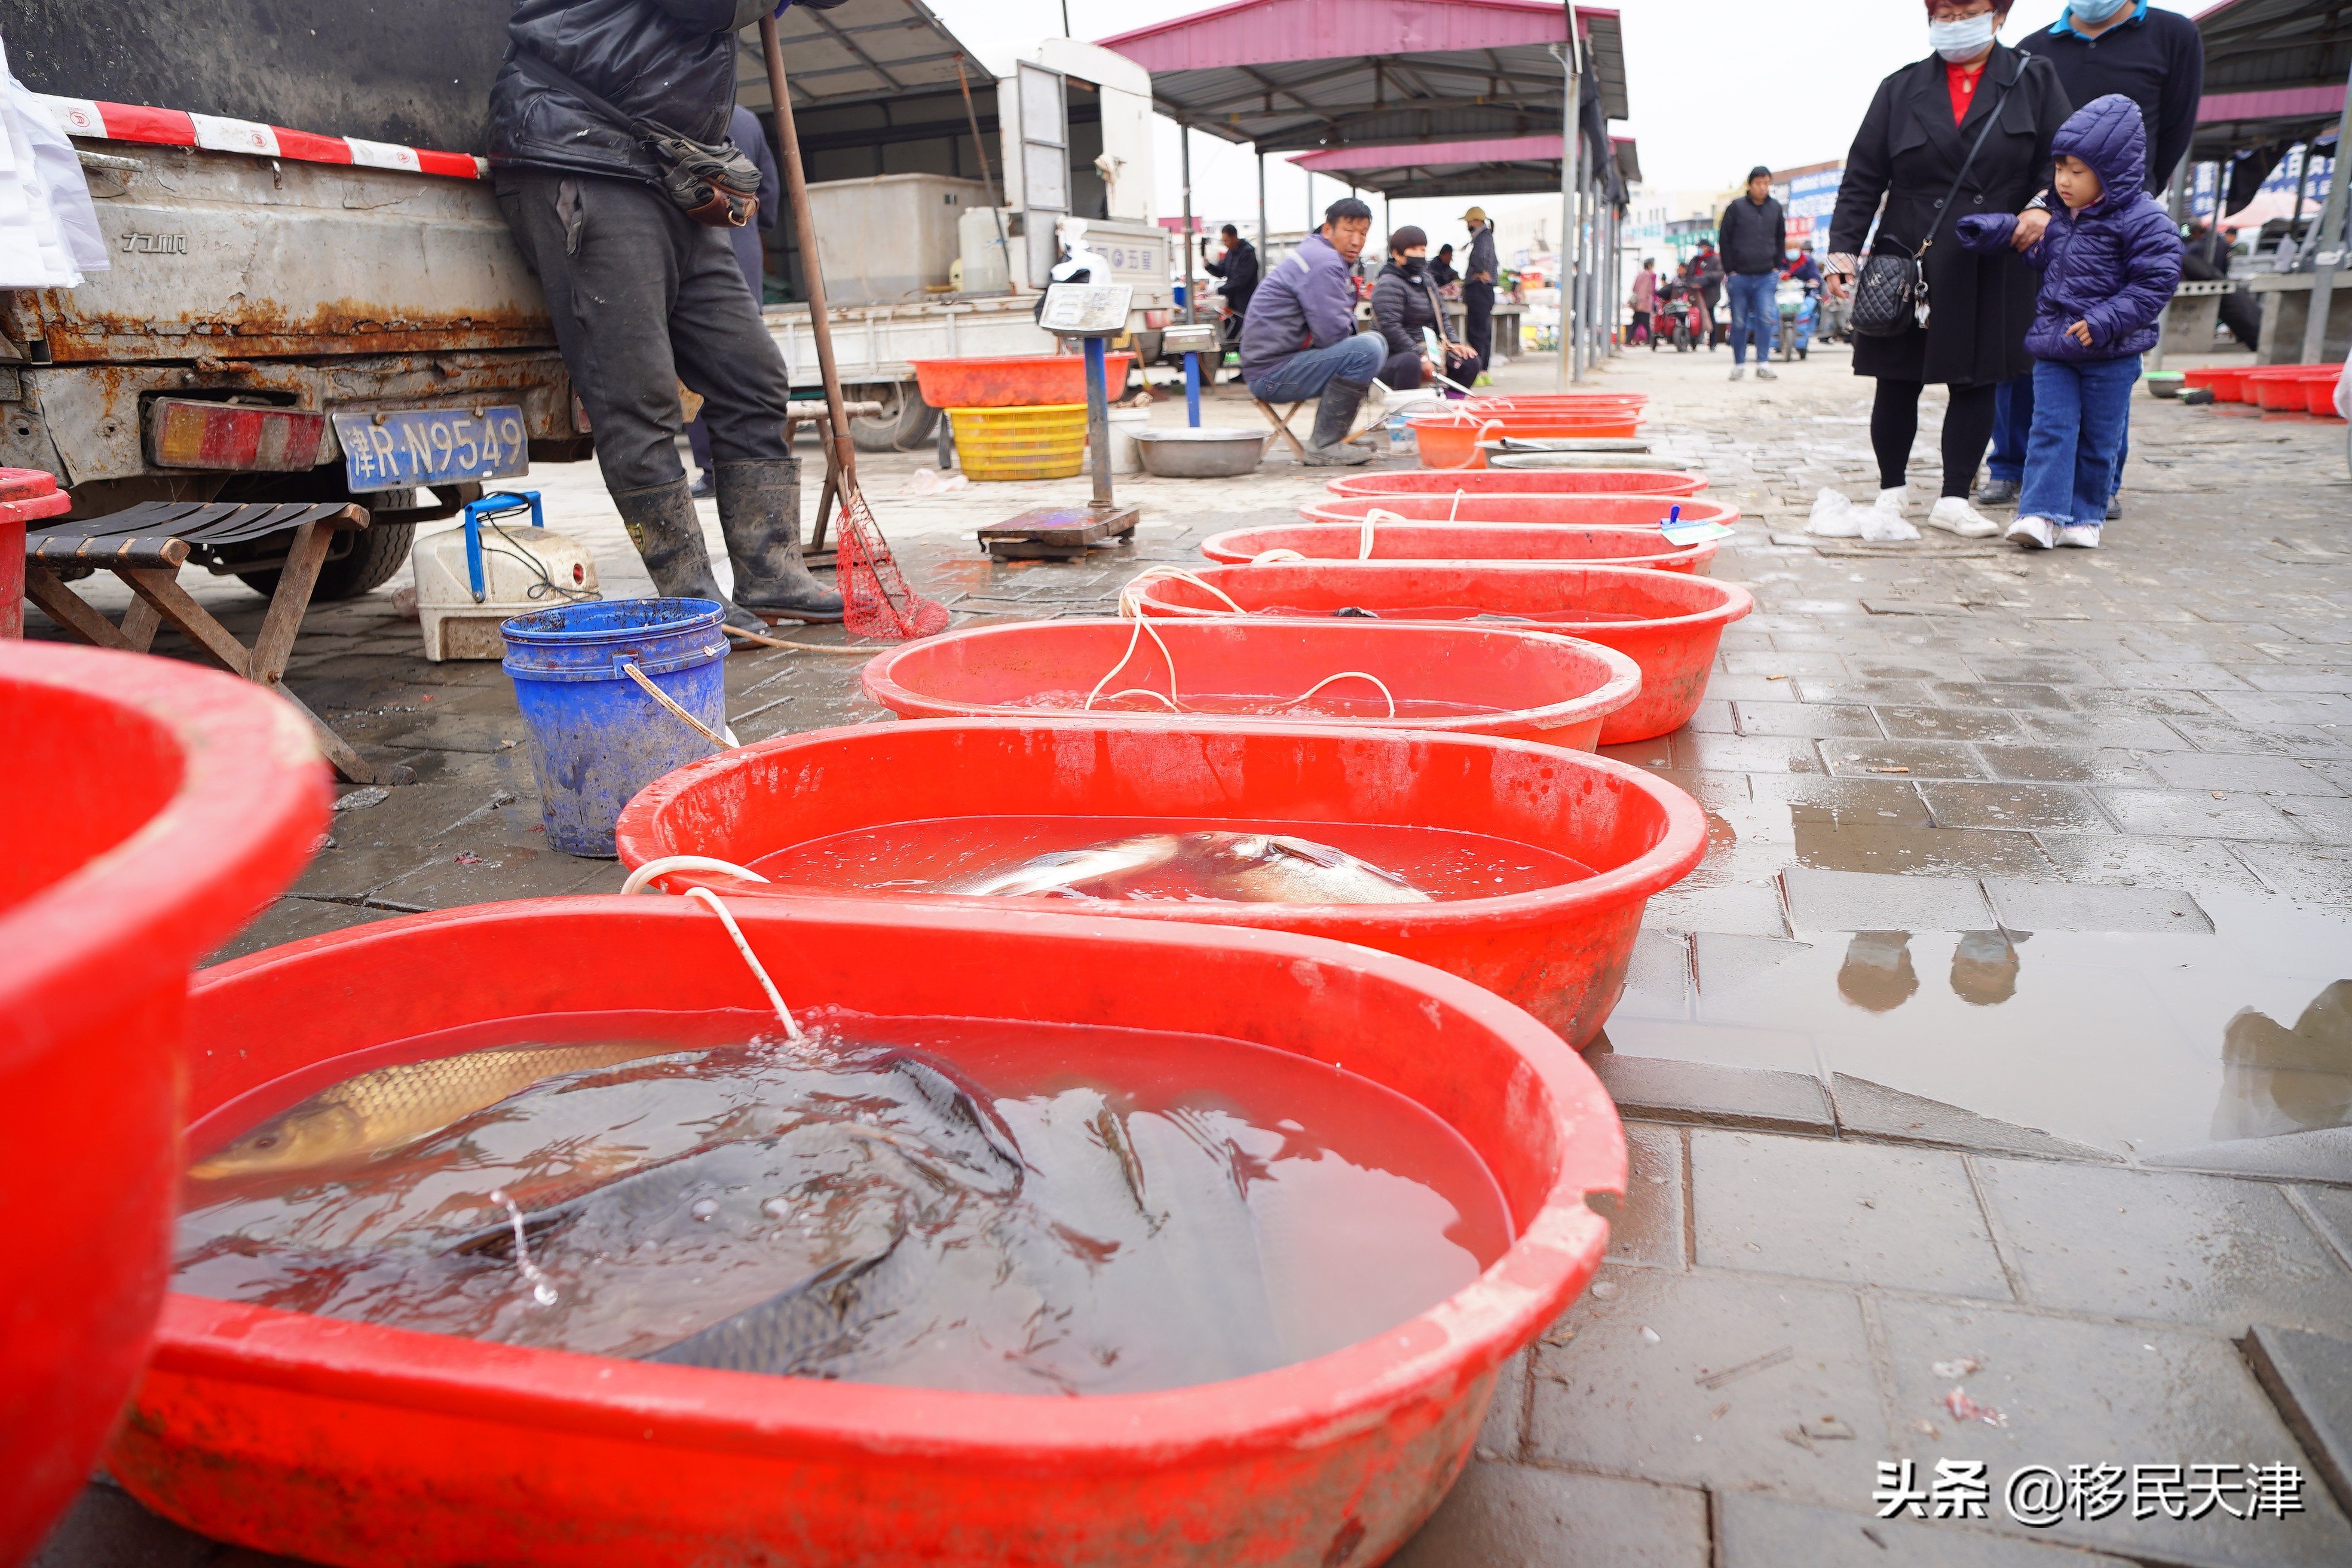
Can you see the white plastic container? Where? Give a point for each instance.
(523, 569)
(886, 239)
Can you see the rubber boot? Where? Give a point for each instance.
(759, 512)
(662, 524)
(1334, 415)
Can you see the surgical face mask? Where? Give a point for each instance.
(2094, 11)
(1413, 265)
(1964, 39)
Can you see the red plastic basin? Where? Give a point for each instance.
(1669, 623)
(1451, 441)
(2230, 384)
(380, 1448)
(154, 807)
(2319, 391)
(1524, 685)
(26, 495)
(1463, 542)
(2279, 388)
(1494, 481)
(1560, 952)
(1570, 510)
(1015, 380)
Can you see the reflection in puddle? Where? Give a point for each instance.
(2275, 1079)
(2140, 1041)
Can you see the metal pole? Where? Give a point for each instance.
(994, 206)
(1192, 295)
(1193, 389)
(1567, 193)
(1098, 423)
(2330, 232)
(1261, 214)
(788, 146)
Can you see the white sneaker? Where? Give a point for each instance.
(2033, 532)
(1766, 372)
(1737, 372)
(1953, 514)
(2079, 536)
(1891, 501)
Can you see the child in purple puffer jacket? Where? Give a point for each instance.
(2109, 260)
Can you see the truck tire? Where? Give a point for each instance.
(377, 553)
(904, 424)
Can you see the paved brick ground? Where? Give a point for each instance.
(2008, 1021)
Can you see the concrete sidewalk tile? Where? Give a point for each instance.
(2322, 1154)
(1805, 720)
(1660, 1088)
(1893, 802)
(1522, 1516)
(2058, 906)
(1654, 753)
(2164, 705)
(1819, 688)
(291, 920)
(2059, 672)
(2326, 818)
(2209, 1250)
(108, 1528)
(2302, 740)
(2014, 806)
(2284, 708)
(2066, 765)
(1722, 687)
(2309, 1378)
(1657, 980)
(1649, 1226)
(1754, 1532)
(339, 873)
(1744, 753)
(2254, 773)
(1505, 1429)
(1825, 900)
(2126, 730)
(1916, 759)
(447, 880)
(1857, 1214)
(1870, 1109)
(1775, 661)
(2319, 873)
(1950, 723)
(2199, 813)
(2204, 864)
(2166, 675)
(2018, 696)
(2083, 1393)
(1886, 849)
(1779, 1353)
(1744, 909)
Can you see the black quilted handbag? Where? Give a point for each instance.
(1891, 294)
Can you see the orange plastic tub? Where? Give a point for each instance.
(380, 1448)
(154, 807)
(1463, 543)
(2279, 389)
(2319, 391)
(1669, 623)
(1451, 441)
(1495, 482)
(1456, 679)
(1015, 380)
(1612, 511)
(1558, 952)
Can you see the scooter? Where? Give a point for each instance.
(1799, 306)
(1687, 312)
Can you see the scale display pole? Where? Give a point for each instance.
(1098, 421)
(1092, 313)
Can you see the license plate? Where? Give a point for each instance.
(396, 449)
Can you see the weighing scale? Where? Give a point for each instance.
(1092, 313)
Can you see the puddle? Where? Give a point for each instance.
(2136, 1041)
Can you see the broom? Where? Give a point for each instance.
(876, 600)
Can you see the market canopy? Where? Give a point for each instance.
(1505, 166)
(1304, 75)
(862, 51)
(2274, 73)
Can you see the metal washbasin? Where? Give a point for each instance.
(1201, 454)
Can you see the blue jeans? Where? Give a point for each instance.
(1305, 373)
(1755, 309)
(2013, 427)
(2081, 409)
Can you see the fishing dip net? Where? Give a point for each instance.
(875, 598)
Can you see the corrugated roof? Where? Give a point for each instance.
(1503, 166)
(859, 52)
(2274, 69)
(1297, 75)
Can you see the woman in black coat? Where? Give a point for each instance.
(1404, 302)
(1909, 151)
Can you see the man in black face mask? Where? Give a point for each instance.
(1404, 302)
(600, 107)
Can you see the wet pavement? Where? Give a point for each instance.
(2009, 1020)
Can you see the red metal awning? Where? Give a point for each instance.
(1293, 75)
(1503, 166)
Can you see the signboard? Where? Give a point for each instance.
(1809, 200)
(1086, 310)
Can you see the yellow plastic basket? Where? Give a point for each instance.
(1047, 442)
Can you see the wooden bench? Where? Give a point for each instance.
(1369, 414)
(147, 545)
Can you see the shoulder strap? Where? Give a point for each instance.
(547, 74)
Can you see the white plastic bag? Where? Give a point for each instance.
(1881, 525)
(1834, 517)
(929, 482)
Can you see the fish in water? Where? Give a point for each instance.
(365, 1116)
(1244, 868)
(797, 1330)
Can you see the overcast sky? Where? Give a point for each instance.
(1715, 86)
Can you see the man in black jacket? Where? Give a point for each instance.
(1478, 274)
(2156, 58)
(1754, 235)
(643, 296)
(1238, 268)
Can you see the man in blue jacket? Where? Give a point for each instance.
(645, 294)
(1300, 339)
(2156, 58)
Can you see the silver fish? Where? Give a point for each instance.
(1246, 868)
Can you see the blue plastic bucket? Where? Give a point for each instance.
(596, 737)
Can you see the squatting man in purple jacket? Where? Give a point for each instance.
(1300, 339)
(2110, 259)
